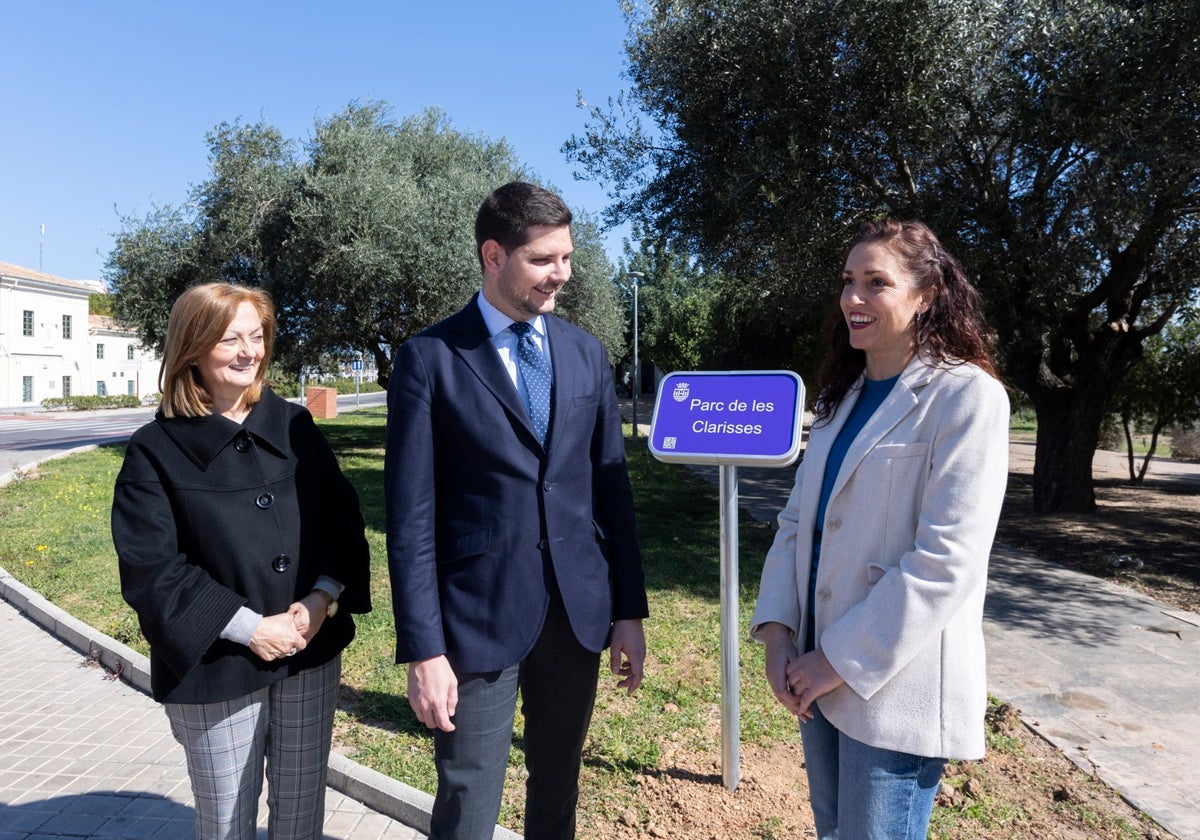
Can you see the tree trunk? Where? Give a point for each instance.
(1126, 425)
(1068, 431)
(1158, 427)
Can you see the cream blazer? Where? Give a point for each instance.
(907, 534)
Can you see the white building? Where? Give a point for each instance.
(49, 346)
(119, 364)
(43, 336)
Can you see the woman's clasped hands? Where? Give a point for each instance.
(796, 679)
(286, 634)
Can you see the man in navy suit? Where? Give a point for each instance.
(511, 539)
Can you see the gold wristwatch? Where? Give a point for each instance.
(331, 607)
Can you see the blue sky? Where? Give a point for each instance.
(104, 105)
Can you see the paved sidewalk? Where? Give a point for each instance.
(1107, 675)
(84, 756)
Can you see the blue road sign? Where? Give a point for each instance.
(731, 417)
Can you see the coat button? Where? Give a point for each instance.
(265, 501)
(543, 545)
(547, 486)
(834, 524)
(281, 563)
(823, 594)
(242, 444)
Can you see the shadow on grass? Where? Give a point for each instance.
(381, 710)
(630, 766)
(679, 529)
(367, 479)
(363, 438)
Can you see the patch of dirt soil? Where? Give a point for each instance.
(1023, 788)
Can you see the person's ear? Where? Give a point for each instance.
(494, 256)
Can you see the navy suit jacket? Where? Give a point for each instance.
(480, 516)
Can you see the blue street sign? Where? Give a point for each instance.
(733, 417)
(356, 364)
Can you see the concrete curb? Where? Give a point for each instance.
(388, 796)
(11, 475)
(111, 654)
(391, 798)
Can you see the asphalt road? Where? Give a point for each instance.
(29, 436)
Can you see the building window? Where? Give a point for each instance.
(129, 386)
(99, 351)
(129, 352)
(26, 389)
(101, 388)
(66, 386)
(27, 322)
(67, 326)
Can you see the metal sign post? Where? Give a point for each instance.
(727, 419)
(731, 727)
(356, 365)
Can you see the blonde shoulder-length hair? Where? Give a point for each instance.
(197, 323)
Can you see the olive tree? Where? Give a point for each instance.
(1161, 390)
(363, 234)
(1055, 147)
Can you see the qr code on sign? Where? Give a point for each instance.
(669, 442)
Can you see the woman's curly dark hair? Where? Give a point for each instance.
(951, 331)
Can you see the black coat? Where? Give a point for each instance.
(209, 516)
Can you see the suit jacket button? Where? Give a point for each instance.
(265, 501)
(547, 486)
(242, 444)
(543, 545)
(823, 594)
(281, 563)
(834, 524)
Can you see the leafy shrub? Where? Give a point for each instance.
(1185, 443)
(88, 402)
(284, 386)
(1112, 434)
(346, 386)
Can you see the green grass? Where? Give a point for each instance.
(1023, 426)
(54, 537)
(1023, 422)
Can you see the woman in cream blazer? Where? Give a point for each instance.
(879, 648)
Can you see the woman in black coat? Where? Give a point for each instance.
(242, 550)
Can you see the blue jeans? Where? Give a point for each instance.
(887, 795)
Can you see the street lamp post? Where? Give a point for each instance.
(637, 372)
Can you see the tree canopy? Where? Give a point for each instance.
(1162, 390)
(678, 305)
(1054, 147)
(364, 235)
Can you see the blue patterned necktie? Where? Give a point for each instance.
(535, 370)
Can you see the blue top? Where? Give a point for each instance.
(872, 395)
